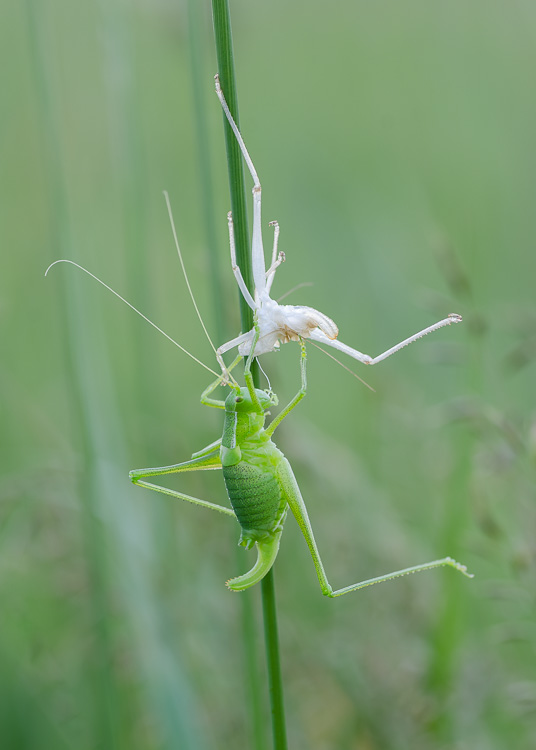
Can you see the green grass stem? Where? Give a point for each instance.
(200, 78)
(224, 50)
(102, 676)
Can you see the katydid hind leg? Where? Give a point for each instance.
(295, 500)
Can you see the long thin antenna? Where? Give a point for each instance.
(343, 366)
(294, 289)
(109, 288)
(170, 213)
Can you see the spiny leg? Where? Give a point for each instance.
(318, 335)
(451, 318)
(297, 506)
(269, 431)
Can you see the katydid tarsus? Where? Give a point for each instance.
(260, 483)
(278, 324)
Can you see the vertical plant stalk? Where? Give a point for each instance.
(104, 687)
(252, 689)
(199, 81)
(224, 51)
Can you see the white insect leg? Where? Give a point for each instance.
(220, 351)
(236, 270)
(276, 259)
(275, 225)
(282, 323)
(257, 259)
(452, 318)
(319, 336)
(257, 251)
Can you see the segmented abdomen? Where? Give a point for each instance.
(254, 494)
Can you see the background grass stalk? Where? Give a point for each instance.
(102, 674)
(224, 51)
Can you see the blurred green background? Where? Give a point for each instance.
(395, 142)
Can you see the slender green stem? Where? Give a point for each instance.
(198, 43)
(224, 50)
(252, 683)
(271, 639)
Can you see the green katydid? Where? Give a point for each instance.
(260, 483)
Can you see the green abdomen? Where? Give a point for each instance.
(254, 494)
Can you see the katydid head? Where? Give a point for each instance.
(239, 400)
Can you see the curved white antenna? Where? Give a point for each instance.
(109, 288)
(294, 289)
(343, 366)
(170, 213)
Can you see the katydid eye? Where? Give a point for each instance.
(238, 399)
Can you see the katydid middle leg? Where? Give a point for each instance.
(269, 431)
(203, 460)
(203, 463)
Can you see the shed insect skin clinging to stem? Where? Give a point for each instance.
(278, 324)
